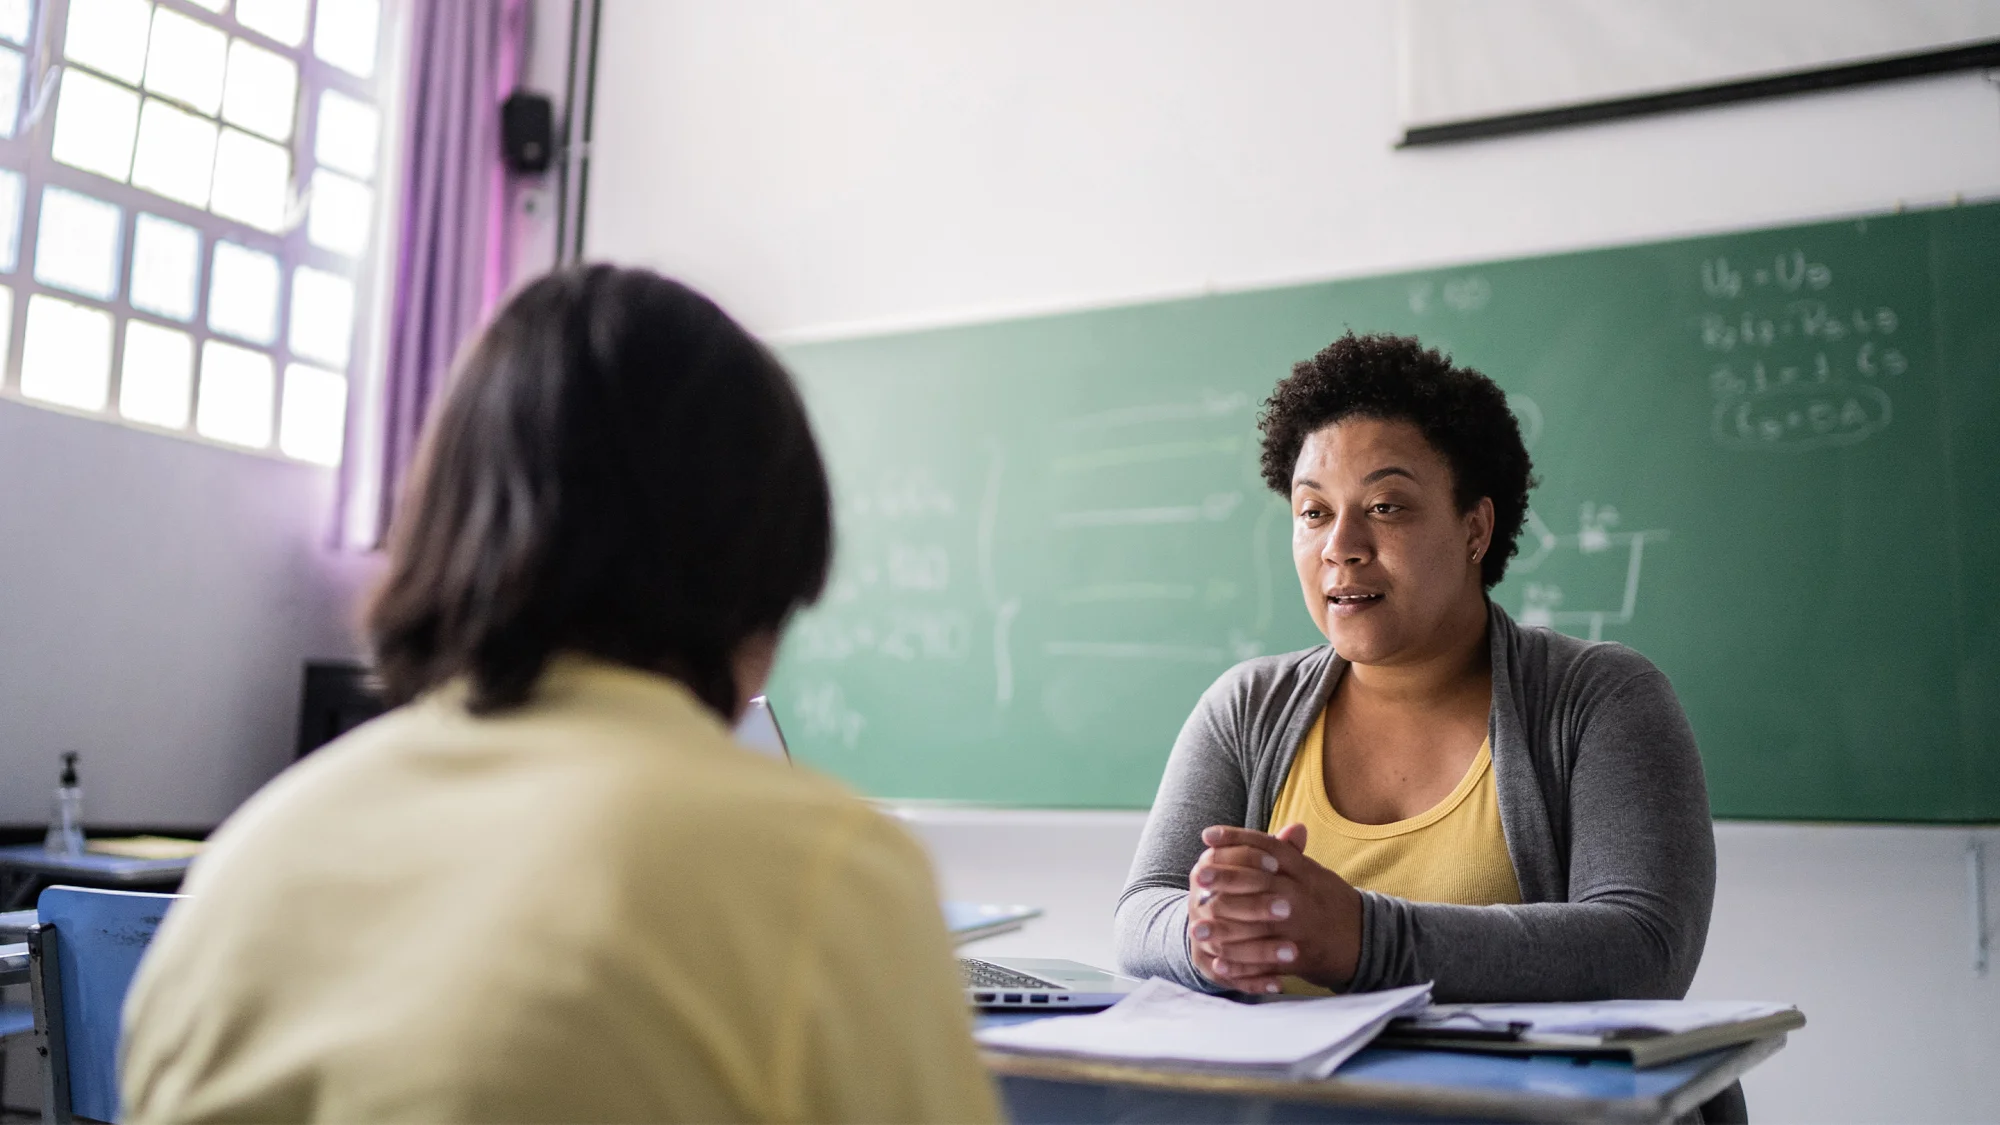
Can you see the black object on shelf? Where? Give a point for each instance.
(338, 696)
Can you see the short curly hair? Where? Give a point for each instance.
(1462, 413)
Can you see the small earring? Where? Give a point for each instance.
(1475, 556)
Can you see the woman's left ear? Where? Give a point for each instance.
(1479, 527)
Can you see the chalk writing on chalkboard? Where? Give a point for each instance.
(1212, 404)
(1595, 542)
(1004, 608)
(823, 712)
(1465, 295)
(902, 494)
(1216, 506)
(1793, 369)
(1528, 413)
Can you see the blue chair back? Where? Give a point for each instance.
(97, 938)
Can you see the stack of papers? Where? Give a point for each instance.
(1648, 1032)
(1629, 1018)
(1162, 1023)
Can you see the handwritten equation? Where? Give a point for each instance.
(1790, 364)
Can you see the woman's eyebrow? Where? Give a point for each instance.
(1390, 471)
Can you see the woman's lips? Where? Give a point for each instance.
(1348, 604)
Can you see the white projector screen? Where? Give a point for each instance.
(1470, 60)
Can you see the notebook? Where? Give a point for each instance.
(1645, 1032)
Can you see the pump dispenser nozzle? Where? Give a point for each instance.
(66, 826)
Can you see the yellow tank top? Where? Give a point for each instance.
(1454, 851)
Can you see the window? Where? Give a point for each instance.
(187, 226)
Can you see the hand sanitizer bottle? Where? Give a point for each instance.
(66, 826)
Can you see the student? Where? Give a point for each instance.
(548, 886)
(1438, 794)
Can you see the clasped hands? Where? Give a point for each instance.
(1259, 910)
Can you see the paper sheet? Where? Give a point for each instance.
(145, 847)
(1162, 1022)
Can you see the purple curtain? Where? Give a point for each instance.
(452, 256)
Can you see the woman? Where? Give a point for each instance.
(548, 886)
(1438, 794)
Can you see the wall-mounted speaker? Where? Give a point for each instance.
(527, 131)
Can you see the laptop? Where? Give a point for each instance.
(758, 730)
(999, 983)
(1029, 983)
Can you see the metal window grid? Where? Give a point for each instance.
(28, 152)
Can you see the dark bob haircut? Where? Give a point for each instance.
(1460, 412)
(618, 470)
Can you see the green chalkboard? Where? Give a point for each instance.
(1770, 462)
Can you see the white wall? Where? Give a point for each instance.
(816, 166)
(158, 600)
(824, 169)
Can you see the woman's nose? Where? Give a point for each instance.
(1346, 542)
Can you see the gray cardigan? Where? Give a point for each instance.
(1601, 798)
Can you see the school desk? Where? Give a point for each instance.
(1378, 1084)
(26, 868)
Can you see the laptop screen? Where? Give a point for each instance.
(759, 731)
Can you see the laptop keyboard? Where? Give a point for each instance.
(985, 974)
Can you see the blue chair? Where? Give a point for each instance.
(15, 1019)
(83, 951)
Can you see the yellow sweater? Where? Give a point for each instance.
(594, 908)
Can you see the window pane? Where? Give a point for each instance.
(15, 15)
(340, 213)
(12, 66)
(176, 153)
(76, 243)
(66, 357)
(263, 90)
(283, 20)
(237, 386)
(109, 36)
(344, 34)
(322, 316)
(348, 135)
(243, 293)
(11, 186)
(166, 262)
(95, 122)
(314, 422)
(251, 176)
(185, 61)
(156, 381)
